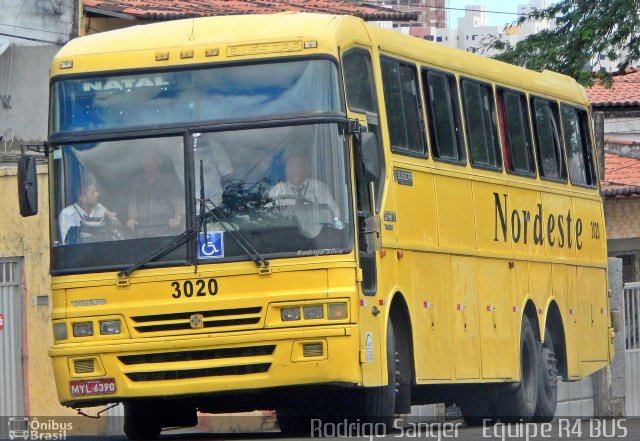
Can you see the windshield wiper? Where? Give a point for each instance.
(241, 239)
(188, 234)
(180, 240)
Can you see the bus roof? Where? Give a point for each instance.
(332, 30)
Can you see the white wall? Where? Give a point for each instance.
(47, 20)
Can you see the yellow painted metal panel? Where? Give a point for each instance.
(563, 288)
(558, 226)
(591, 240)
(455, 213)
(490, 216)
(427, 276)
(593, 318)
(465, 323)
(539, 287)
(522, 227)
(416, 208)
(495, 311)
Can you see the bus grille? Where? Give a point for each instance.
(209, 354)
(182, 320)
(196, 373)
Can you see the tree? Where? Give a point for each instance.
(582, 32)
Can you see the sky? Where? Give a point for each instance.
(494, 19)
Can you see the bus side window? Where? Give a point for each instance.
(443, 116)
(402, 101)
(578, 143)
(547, 136)
(516, 134)
(361, 98)
(358, 81)
(480, 122)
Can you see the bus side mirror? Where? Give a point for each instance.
(27, 186)
(370, 156)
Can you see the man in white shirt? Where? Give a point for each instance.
(86, 206)
(302, 192)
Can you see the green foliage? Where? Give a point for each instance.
(584, 31)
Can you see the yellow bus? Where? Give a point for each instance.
(311, 214)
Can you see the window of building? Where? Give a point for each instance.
(480, 123)
(443, 116)
(547, 137)
(577, 140)
(402, 101)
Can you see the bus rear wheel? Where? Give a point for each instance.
(548, 382)
(519, 400)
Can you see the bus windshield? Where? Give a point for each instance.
(285, 189)
(238, 92)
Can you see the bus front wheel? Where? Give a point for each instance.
(378, 403)
(141, 421)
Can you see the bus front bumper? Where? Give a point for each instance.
(117, 370)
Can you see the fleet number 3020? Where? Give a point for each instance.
(194, 288)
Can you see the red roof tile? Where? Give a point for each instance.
(175, 9)
(625, 91)
(621, 175)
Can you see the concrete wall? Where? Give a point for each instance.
(25, 70)
(50, 21)
(29, 238)
(622, 217)
(609, 384)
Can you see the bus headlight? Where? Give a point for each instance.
(290, 314)
(110, 327)
(60, 331)
(337, 311)
(312, 312)
(83, 329)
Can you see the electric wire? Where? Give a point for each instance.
(34, 29)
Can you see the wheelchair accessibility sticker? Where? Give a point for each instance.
(211, 246)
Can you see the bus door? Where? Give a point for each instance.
(367, 149)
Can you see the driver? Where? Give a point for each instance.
(85, 207)
(300, 190)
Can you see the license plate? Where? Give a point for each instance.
(101, 386)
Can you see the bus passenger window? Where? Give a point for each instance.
(547, 137)
(443, 116)
(404, 115)
(578, 144)
(482, 138)
(514, 122)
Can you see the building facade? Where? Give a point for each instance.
(431, 15)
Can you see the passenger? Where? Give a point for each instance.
(86, 207)
(156, 198)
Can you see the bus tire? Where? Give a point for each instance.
(548, 383)
(478, 408)
(293, 422)
(378, 403)
(520, 399)
(141, 422)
